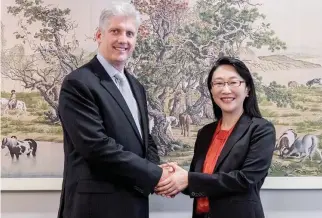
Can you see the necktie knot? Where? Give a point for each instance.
(120, 78)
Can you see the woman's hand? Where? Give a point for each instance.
(175, 183)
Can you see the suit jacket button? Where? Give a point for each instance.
(193, 194)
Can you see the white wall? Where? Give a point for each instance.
(277, 204)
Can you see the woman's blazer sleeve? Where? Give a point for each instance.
(186, 191)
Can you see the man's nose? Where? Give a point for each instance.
(122, 38)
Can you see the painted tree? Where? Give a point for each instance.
(154, 61)
(178, 44)
(48, 31)
(223, 28)
(273, 92)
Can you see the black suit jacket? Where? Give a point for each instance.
(108, 169)
(233, 188)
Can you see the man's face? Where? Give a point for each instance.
(117, 40)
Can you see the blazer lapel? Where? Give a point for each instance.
(139, 99)
(107, 82)
(205, 142)
(238, 131)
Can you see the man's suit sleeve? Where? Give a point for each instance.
(152, 153)
(81, 119)
(254, 169)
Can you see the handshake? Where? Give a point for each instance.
(174, 179)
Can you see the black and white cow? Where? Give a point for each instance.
(17, 147)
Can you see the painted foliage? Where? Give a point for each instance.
(179, 40)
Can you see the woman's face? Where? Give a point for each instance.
(228, 89)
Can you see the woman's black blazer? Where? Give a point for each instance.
(233, 188)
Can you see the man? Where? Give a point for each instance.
(111, 161)
(12, 103)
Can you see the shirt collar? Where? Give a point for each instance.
(112, 71)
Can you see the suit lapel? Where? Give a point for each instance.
(139, 99)
(238, 131)
(204, 143)
(107, 82)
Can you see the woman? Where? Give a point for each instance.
(232, 156)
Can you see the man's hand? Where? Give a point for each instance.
(175, 183)
(165, 175)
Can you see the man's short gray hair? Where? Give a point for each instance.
(119, 9)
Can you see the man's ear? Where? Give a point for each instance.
(98, 35)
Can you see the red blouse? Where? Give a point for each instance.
(219, 139)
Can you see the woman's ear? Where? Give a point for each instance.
(247, 92)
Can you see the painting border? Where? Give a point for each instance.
(55, 184)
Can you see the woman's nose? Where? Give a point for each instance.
(226, 88)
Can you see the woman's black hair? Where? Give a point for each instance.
(250, 103)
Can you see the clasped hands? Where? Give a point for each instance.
(174, 179)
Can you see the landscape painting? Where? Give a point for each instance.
(178, 42)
